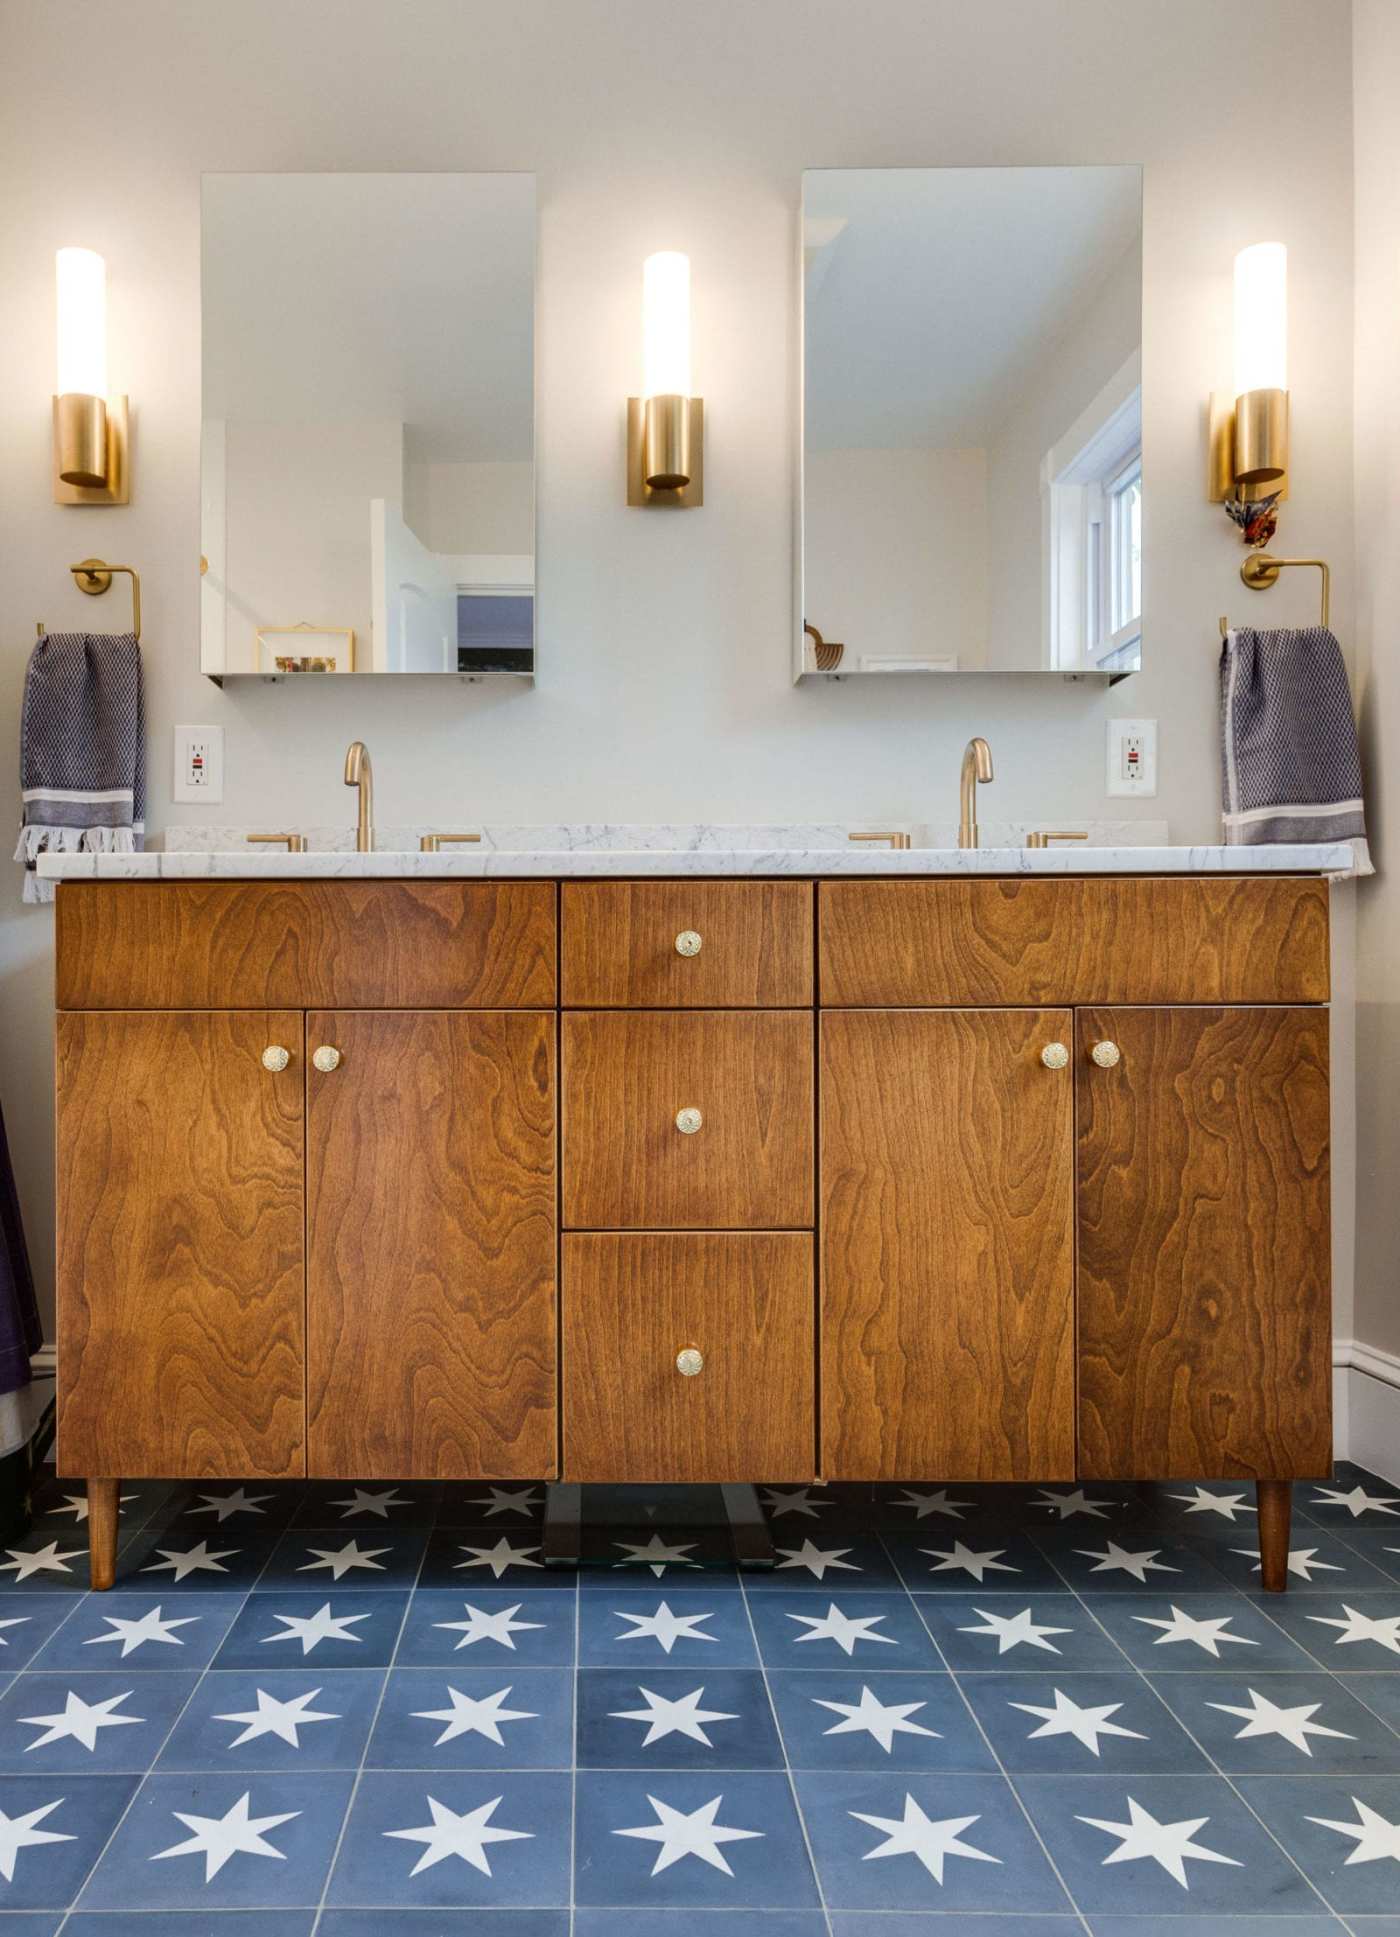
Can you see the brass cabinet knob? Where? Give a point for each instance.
(689, 1362)
(1055, 1056)
(326, 1059)
(687, 942)
(688, 1122)
(275, 1057)
(1106, 1054)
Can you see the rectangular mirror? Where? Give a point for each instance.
(972, 420)
(368, 496)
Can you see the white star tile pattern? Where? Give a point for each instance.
(218, 1839)
(695, 1833)
(482, 1625)
(1374, 1839)
(847, 1631)
(664, 1628)
(465, 1836)
(1016, 1631)
(22, 1832)
(80, 1720)
(931, 1842)
(272, 1716)
(881, 1721)
(1202, 1631)
(681, 1715)
(1142, 1839)
(468, 1715)
(1085, 1724)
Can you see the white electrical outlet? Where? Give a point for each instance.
(1132, 757)
(199, 764)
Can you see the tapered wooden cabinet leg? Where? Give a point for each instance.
(1275, 1498)
(102, 1530)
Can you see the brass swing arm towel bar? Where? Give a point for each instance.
(1261, 569)
(94, 577)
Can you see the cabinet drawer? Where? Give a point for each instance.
(633, 944)
(306, 944)
(627, 1163)
(633, 1303)
(908, 944)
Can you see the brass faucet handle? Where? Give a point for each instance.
(434, 843)
(898, 841)
(1043, 836)
(294, 843)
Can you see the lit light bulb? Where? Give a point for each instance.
(82, 323)
(1261, 318)
(666, 325)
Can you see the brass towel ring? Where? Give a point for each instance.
(94, 576)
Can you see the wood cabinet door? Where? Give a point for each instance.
(947, 1222)
(431, 1246)
(1204, 1246)
(180, 1287)
(634, 1301)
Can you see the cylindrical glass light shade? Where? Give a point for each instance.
(82, 323)
(666, 325)
(1261, 318)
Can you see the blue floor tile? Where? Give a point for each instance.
(1134, 1562)
(839, 1719)
(945, 1923)
(1341, 1830)
(1199, 1633)
(1195, 1507)
(475, 1718)
(993, 1562)
(485, 1626)
(1281, 1724)
(1040, 1632)
(684, 1627)
(1285, 1924)
(368, 1506)
(335, 1629)
(1351, 1502)
(877, 1631)
(1148, 1845)
(23, 1633)
(1379, 1548)
(278, 1718)
(253, 1510)
(442, 1923)
(815, 1562)
(1380, 1693)
(924, 1842)
(63, 1504)
(1318, 1563)
(472, 1557)
(163, 1561)
(675, 1718)
(153, 1631)
(492, 1503)
(1345, 1632)
(455, 1838)
(214, 1842)
(51, 1559)
(1039, 1724)
(637, 1556)
(108, 1722)
(718, 1923)
(305, 1560)
(690, 1839)
(55, 1827)
(191, 1923)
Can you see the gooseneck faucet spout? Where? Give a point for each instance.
(359, 772)
(976, 767)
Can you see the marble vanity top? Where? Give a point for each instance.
(1112, 847)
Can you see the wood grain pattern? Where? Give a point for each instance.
(431, 1247)
(180, 1288)
(104, 1512)
(627, 1166)
(904, 944)
(1274, 1507)
(1204, 1246)
(619, 944)
(306, 944)
(631, 1302)
(947, 1329)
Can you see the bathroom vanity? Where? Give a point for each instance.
(703, 1166)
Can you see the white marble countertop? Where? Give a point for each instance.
(600, 850)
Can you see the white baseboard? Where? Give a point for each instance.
(1366, 1394)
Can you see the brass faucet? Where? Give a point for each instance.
(976, 766)
(359, 772)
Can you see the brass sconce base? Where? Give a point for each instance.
(67, 411)
(1225, 435)
(684, 496)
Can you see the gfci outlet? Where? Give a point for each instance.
(199, 763)
(1132, 757)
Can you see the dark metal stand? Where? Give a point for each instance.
(753, 1543)
(563, 1526)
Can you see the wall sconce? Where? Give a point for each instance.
(1249, 437)
(666, 425)
(90, 449)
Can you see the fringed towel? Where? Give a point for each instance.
(1288, 742)
(82, 750)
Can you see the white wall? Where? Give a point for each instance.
(895, 552)
(471, 507)
(665, 641)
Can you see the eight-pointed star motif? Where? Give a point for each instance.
(312, 1629)
(1118, 1560)
(818, 1560)
(218, 1838)
(362, 1500)
(1016, 1630)
(870, 1716)
(656, 1554)
(340, 1560)
(1373, 1835)
(79, 1720)
(1302, 1561)
(481, 1625)
(465, 1836)
(499, 1557)
(1201, 1500)
(665, 1628)
(497, 1499)
(1142, 1838)
(1205, 1631)
(914, 1834)
(1066, 1505)
(468, 1716)
(681, 1716)
(793, 1499)
(20, 1832)
(1264, 1717)
(178, 1561)
(279, 1718)
(1383, 1629)
(1357, 1501)
(43, 1560)
(968, 1561)
(844, 1629)
(922, 1504)
(689, 1833)
(1086, 1725)
(134, 1634)
(223, 1505)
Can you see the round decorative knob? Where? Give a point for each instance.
(275, 1057)
(1054, 1055)
(1106, 1054)
(688, 1122)
(326, 1059)
(689, 1362)
(687, 942)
